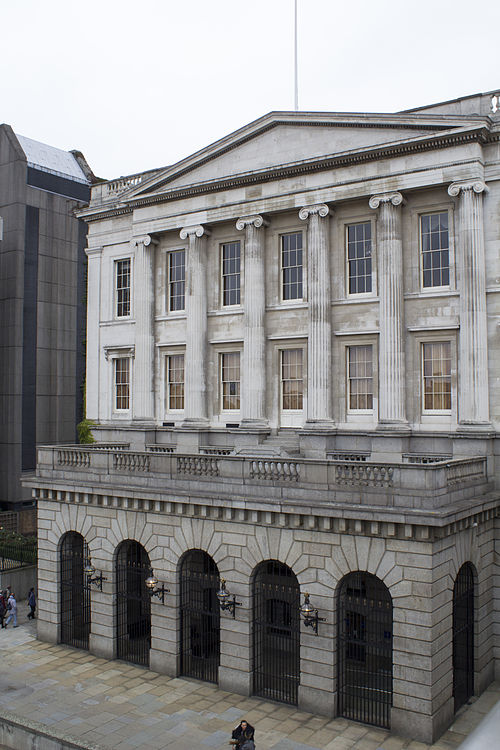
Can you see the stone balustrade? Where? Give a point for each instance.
(312, 481)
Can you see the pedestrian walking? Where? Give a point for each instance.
(3, 608)
(31, 604)
(12, 609)
(243, 736)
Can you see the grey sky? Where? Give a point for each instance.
(137, 85)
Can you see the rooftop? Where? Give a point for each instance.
(53, 160)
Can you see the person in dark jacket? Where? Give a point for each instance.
(243, 736)
(31, 604)
(3, 608)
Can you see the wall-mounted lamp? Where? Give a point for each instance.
(152, 583)
(310, 620)
(224, 596)
(89, 571)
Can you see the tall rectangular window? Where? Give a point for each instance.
(230, 258)
(436, 366)
(359, 257)
(292, 381)
(360, 378)
(176, 280)
(122, 384)
(122, 279)
(291, 265)
(230, 376)
(175, 381)
(434, 243)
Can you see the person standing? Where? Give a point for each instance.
(31, 604)
(3, 608)
(12, 607)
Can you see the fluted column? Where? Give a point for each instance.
(473, 402)
(253, 403)
(94, 256)
(143, 387)
(319, 398)
(195, 387)
(392, 411)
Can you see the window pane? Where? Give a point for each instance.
(176, 280)
(359, 250)
(175, 381)
(231, 273)
(360, 377)
(434, 249)
(122, 383)
(292, 384)
(122, 275)
(230, 374)
(436, 367)
(291, 265)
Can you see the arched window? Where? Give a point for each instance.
(365, 649)
(200, 617)
(133, 603)
(276, 632)
(75, 594)
(463, 636)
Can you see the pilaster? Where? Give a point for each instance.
(319, 397)
(143, 386)
(195, 387)
(94, 256)
(392, 411)
(253, 406)
(473, 402)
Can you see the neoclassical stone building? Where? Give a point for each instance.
(292, 366)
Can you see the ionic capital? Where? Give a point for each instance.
(321, 209)
(257, 221)
(478, 186)
(395, 198)
(146, 240)
(198, 231)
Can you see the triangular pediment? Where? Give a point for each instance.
(290, 138)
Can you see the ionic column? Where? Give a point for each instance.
(319, 400)
(392, 411)
(195, 387)
(253, 402)
(473, 402)
(143, 386)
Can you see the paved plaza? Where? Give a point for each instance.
(105, 705)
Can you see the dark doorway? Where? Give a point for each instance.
(463, 636)
(133, 622)
(75, 594)
(200, 617)
(276, 632)
(365, 650)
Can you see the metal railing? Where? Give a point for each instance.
(16, 555)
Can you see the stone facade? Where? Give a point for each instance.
(292, 348)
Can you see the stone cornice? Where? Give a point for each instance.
(383, 151)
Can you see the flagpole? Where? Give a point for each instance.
(296, 65)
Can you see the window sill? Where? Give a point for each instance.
(116, 322)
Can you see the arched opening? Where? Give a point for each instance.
(200, 617)
(75, 594)
(463, 636)
(364, 649)
(133, 604)
(276, 632)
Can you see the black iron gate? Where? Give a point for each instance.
(133, 622)
(365, 650)
(463, 636)
(75, 594)
(276, 632)
(200, 617)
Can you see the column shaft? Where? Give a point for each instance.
(93, 342)
(143, 387)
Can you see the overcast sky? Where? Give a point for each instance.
(141, 84)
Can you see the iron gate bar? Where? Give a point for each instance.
(463, 636)
(75, 594)
(276, 633)
(133, 604)
(365, 650)
(200, 617)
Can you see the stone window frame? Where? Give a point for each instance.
(345, 223)
(112, 355)
(116, 300)
(112, 301)
(282, 233)
(424, 209)
(166, 356)
(357, 416)
(167, 298)
(221, 414)
(438, 417)
(237, 305)
(293, 416)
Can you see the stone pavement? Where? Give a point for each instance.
(109, 704)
